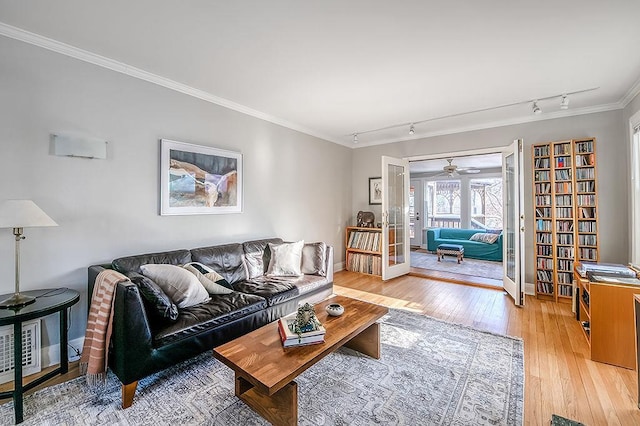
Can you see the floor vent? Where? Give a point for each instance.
(30, 350)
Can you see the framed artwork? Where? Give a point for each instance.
(375, 190)
(198, 179)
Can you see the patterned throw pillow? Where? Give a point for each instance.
(484, 237)
(207, 280)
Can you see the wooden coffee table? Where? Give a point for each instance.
(265, 371)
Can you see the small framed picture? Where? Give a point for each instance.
(375, 190)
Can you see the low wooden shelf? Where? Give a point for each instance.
(608, 309)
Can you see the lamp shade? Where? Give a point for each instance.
(23, 214)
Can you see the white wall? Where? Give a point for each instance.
(295, 186)
(612, 169)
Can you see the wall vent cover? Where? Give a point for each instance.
(30, 350)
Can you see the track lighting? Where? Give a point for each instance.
(564, 104)
(536, 108)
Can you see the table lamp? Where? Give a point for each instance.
(19, 214)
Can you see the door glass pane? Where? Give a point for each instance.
(412, 211)
(397, 205)
(510, 220)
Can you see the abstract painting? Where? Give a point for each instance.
(198, 179)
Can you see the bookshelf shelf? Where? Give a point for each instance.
(565, 212)
(364, 250)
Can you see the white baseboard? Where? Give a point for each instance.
(338, 266)
(51, 354)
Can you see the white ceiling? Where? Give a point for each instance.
(332, 68)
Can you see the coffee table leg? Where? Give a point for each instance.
(281, 408)
(367, 342)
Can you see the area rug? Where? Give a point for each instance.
(478, 268)
(430, 373)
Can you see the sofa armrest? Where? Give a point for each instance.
(432, 235)
(329, 264)
(131, 338)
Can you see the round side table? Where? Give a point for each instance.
(47, 302)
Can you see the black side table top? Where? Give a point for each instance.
(47, 302)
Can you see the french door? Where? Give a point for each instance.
(513, 225)
(395, 217)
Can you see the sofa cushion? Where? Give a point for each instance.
(227, 260)
(133, 263)
(257, 256)
(314, 259)
(182, 287)
(207, 280)
(221, 309)
(286, 259)
(274, 289)
(484, 237)
(156, 301)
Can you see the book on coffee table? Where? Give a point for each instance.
(290, 338)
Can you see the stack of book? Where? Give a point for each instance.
(290, 338)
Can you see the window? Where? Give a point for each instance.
(486, 203)
(444, 202)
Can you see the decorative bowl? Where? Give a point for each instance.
(335, 309)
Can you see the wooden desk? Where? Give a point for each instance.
(609, 311)
(636, 299)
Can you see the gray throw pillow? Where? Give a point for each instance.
(286, 259)
(182, 287)
(314, 259)
(484, 237)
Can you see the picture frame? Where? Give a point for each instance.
(375, 190)
(196, 179)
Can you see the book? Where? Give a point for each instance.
(298, 341)
(290, 338)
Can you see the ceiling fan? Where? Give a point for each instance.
(452, 170)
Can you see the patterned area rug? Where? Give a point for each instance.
(430, 373)
(478, 268)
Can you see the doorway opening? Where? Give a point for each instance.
(452, 198)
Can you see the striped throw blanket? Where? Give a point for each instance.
(94, 359)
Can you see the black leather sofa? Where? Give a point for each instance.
(142, 345)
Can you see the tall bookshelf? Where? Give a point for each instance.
(565, 212)
(364, 250)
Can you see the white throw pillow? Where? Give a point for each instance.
(182, 287)
(286, 259)
(207, 280)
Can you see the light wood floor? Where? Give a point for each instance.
(559, 376)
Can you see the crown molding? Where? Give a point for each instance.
(502, 123)
(123, 68)
(631, 94)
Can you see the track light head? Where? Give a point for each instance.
(536, 108)
(355, 138)
(412, 130)
(564, 103)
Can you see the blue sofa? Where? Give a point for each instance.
(472, 249)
